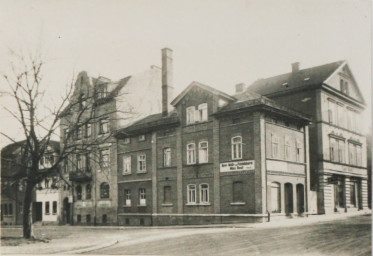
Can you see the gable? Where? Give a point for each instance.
(343, 81)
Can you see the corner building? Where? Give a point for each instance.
(330, 95)
(212, 158)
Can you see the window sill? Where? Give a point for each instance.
(238, 203)
(167, 205)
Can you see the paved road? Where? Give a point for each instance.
(351, 236)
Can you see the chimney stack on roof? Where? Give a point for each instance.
(240, 87)
(167, 81)
(295, 67)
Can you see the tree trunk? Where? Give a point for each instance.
(27, 212)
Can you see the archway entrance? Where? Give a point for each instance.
(289, 198)
(66, 211)
(300, 198)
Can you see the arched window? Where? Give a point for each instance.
(88, 191)
(104, 190)
(79, 192)
(236, 147)
(275, 197)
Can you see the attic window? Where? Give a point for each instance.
(306, 79)
(285, 84)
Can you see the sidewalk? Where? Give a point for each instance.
(85, 239)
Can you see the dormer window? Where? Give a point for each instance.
(102, 91)
(344, 86)
(190, 115)
(202, 112)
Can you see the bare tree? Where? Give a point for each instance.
(40, 124)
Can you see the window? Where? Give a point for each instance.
(167, 157)
(47, 208)
(127, 197)
(287, 148)
(126, 165)
(204, 193)
(358, 156)
(238, 192)
(142, 137)
(191, 194)
(275, 197)
(101, 91)
(236, 147)
(79, 192)
(78, 130)
(337, 150)
(127, 140)
(79, 218)
(191, 153)
(202, 112)
(54, 207)
(167, 195)
(80, 160)
(88, 218)
(5, 209)
(88, 130)
(275, 146)
(10, 209)
(104, 190)
(190, 115)
(103, 126)
(341, 115)
(344, 86)
(341, 151)
(142, 196)
(332, 112)
(353, 193)
(104, 158)
(203, 152)
(141, 163)
(351, 154)
(88, 192)
(298, 151)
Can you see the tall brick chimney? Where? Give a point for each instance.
(295, 67)
(167, 81)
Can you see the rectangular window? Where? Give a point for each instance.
(54, 208)
(167, 195)
(142, 137)
(101, 91)
(275, 146)
(333, 150)
(126, 165)
(141, 163)
(191, 153)
(298, 151)
(332, 113)
(287, 148)
(10, 209)
(352, 154)
(236, 144)
(88, 130)
(190, 115)
(142, 196)
(341, 151)
(359, 156)
(103, 126)
(191, 194)
(47, 208)
(167, 157)
(202, 112)
(127, 140)
(203, 156)
(104, 158)
(127, 197)
(341, 115)
(238, 192)
(204, 194)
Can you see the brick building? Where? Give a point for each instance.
(100, 106)
(210, 157)
(331, 96)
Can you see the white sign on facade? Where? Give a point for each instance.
(237, 166)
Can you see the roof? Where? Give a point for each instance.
(203, 86)
(304, 77)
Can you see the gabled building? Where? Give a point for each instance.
(210, 157)
(99, 107)
(331, 96)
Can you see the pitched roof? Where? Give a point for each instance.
(304, 77)
(203, 86)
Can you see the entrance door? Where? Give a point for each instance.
(300, 198)
(37, 211)
(289, 198)
(339, 195)
(66, 211)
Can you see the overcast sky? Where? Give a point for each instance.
(219, 43)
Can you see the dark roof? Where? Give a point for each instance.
(149, 123)
(203, 86)
(304, 77)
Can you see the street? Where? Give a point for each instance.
(344, 236)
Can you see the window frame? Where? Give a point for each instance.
(191, 153)
(204, 193)
(104, 190)
(142, 196)
(167, 157)
(103, 126)
(46, 208)
(191, 194)
(88, 191)
(127, 164)
(202, 112)
(54, 207)
(79, 192)
(275, 146)
(141, 163)
(103, 161)
(127, 198)
(202, 149)
(236, 148)
(190, 115)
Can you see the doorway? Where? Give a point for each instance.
(66, 211)
(289, 198)
(300, 198)
(37, 211)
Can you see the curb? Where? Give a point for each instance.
(92, 248)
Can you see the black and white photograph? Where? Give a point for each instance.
(174, 127)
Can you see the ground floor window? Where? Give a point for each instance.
(275, 197)
(204, 193)
(354, 193)
(339, 194)
(191, 194)
(54, 208)
(47, 208)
